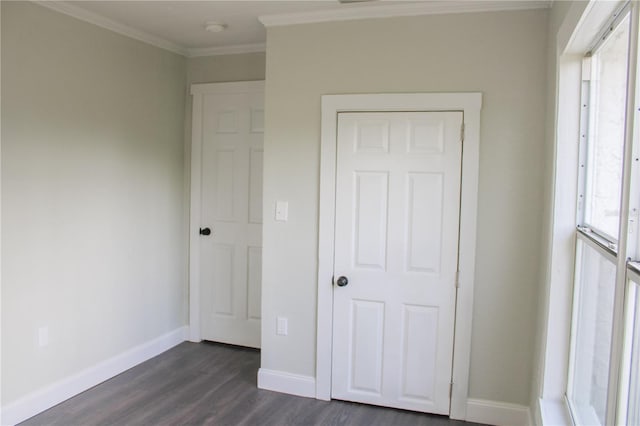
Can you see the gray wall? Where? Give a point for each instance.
(224, 68)
(502, 55)
(92, 193)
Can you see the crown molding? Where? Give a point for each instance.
(227, 50)
(387, 11)
(345, 14)
(76, 12)
(95, 19)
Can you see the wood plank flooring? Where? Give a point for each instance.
(211, 384)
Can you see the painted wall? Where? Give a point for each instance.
(502, 55)
(225, 68)
(92, 192)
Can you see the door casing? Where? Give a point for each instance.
(470, 104)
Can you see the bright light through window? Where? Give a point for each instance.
(593, 320)
(606, 132)
(603, 386)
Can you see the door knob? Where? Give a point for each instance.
(205, 231)
(342, 281)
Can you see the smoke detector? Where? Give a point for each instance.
(214, 27)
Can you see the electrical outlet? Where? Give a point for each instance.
(282, 211)
(282, 326)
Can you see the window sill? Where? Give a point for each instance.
(554, 412)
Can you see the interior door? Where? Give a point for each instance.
(396, 255)
(231, 214)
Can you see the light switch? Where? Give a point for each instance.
(282, 211)
(43, 336)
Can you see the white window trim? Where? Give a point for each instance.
(576, 32)
(623, 245)
(556, 344)
(470, 104)
(633, 280)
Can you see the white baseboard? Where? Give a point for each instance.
(478, 410)
(293, 384)
(497, 413)
(45, 398)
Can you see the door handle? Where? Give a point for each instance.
(205, 231)
(342, 281)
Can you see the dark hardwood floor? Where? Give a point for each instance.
(211, 384)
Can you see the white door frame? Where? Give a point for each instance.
(198, 91)
(469, 104)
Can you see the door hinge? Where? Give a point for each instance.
(450, 390)
(457, 283)
(462, 132)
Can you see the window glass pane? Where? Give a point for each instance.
(630, 396)
(606, 132)
(593, 319)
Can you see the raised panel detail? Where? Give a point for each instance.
(372, 136)
(255, 186)
(257, 120)
(419, 351)
(424, 227)
(223, 279)
(224, 185)
(426, 137)
(254, 277)
(227, 122)
(367, 331)
(370, 239)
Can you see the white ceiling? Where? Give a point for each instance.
(179, 25)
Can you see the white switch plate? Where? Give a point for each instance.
(43, 336)
(282, 211)
(282, 326)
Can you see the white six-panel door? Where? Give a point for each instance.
(396, 242)
(231, 207)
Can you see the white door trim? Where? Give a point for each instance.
(470, 104)
(198, 91)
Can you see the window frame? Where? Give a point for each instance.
(587, 121)
(633, 287)
(625, 247)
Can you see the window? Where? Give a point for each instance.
(606, 79)
(604, 364)
(593, 319)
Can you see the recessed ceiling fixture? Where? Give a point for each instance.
(214, 27)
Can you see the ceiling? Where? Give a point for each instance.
(179, 26)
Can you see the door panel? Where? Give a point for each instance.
(424, 222)
(367, 321)
(420, 328)
(397, 221)
(370, 210)
(231, 257)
